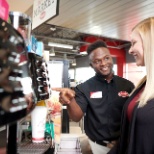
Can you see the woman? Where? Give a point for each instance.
(137, 127)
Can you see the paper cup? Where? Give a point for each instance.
(38, 120)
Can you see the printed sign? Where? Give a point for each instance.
(43, 10)
(4, 9)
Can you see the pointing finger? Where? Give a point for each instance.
(57, 89)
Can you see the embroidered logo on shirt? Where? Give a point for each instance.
(97, 94)
(123, 94)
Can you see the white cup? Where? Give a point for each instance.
(38, 120)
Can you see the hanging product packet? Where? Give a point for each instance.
(55, 111)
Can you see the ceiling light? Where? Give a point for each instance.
(83, 53)
(52, 52)
(60, 45)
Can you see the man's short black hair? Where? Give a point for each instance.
(95, 45)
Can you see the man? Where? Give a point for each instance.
(100, 100)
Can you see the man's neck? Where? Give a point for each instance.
(108, 78)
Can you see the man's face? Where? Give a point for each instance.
(101, 61)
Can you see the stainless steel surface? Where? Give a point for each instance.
(69, 144)
(33, 148)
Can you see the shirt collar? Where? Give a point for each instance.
(101, 77)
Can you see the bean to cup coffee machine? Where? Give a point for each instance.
(16, 101)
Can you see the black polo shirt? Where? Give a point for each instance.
(102, 103)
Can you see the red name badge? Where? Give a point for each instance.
(97, 94)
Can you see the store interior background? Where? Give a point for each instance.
(79, 23)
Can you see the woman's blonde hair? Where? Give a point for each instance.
(146, 31)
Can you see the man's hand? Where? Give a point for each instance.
(66, 95)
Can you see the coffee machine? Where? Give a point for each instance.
(16, 100)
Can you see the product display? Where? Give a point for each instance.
(24, 84)
(39, 75)
(13, 68)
